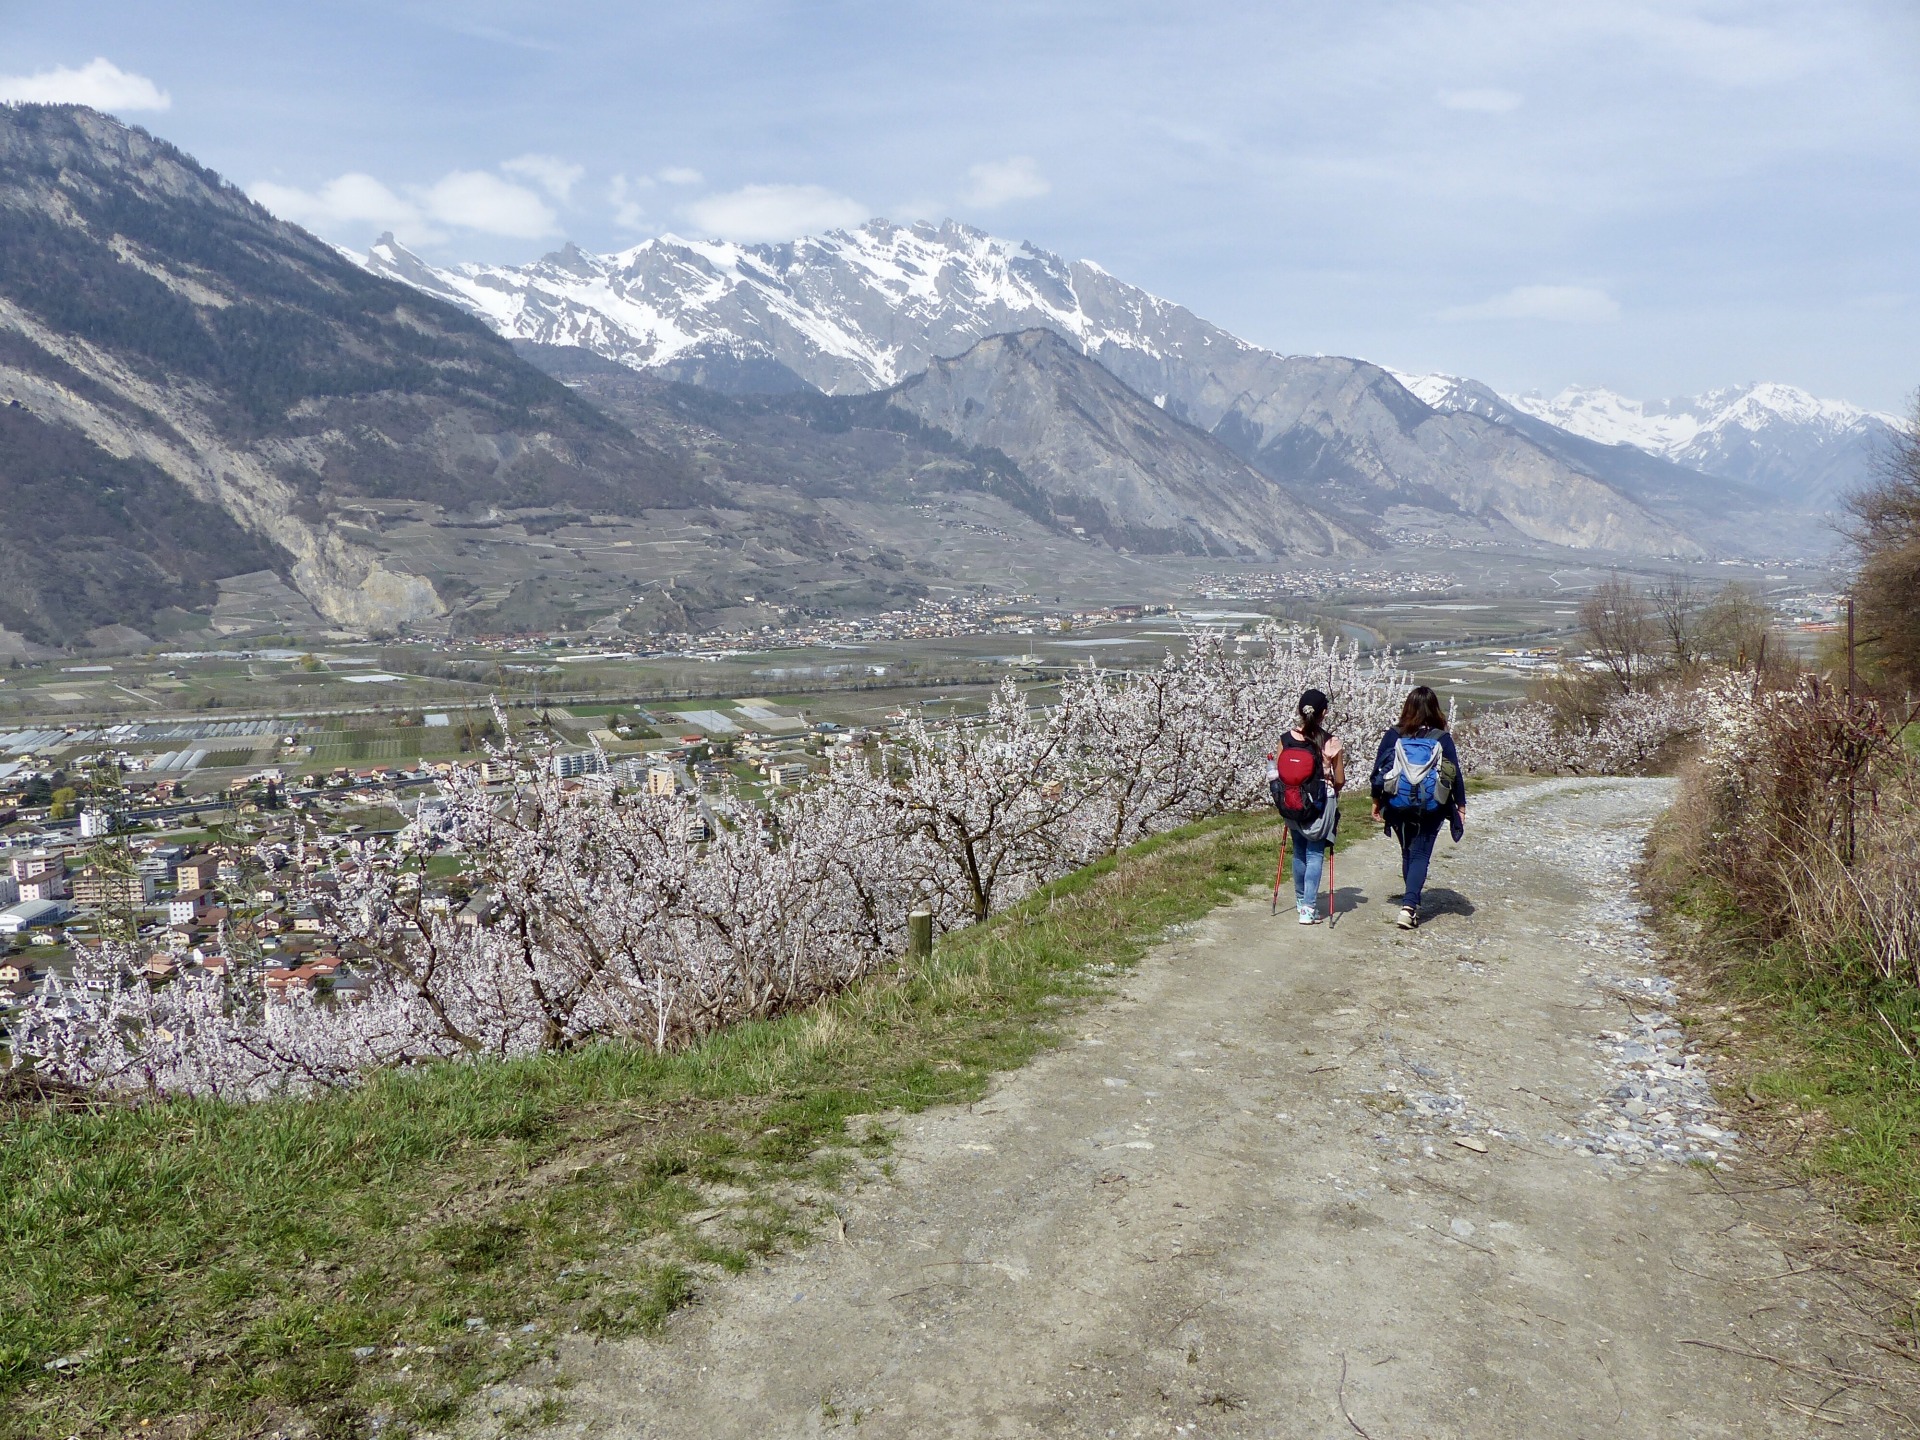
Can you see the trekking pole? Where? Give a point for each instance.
(1278, 871)
(1333, 901)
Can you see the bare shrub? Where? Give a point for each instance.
(1812, 819)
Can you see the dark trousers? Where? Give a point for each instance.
(1417, 839)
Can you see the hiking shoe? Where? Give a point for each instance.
(1308, 916)
(1409, 917)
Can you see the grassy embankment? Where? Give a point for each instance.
(1828, 1049)
(209, 1268)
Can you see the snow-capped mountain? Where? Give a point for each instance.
(849, 311)
(1771, 435)
(1802, 450)
(864, 309)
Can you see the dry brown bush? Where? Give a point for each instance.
(1811, 822)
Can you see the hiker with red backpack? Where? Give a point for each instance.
(1309, 769)
(1417, 788)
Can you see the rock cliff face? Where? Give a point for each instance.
(155, 314)
(864, 309)
(1109, 462)
(1352, 427)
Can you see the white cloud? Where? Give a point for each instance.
(1567, 304)
(464, 199)
(552, 174)
(680, 175)
(995, 182)
(624, 195)
(99, 83)
(773, 212)
(475, 200)
(348, 202)
(1484, 102)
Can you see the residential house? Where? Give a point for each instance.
(35, 863)
(189, 907)
(48, 885)
(160, 860)
(96, 887)
(196, 872)
(586, 762)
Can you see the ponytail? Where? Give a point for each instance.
(1313, 715)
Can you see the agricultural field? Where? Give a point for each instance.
(1480, 626)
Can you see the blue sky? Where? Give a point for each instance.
(1660, 196)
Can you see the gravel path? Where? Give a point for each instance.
(1467, 1182)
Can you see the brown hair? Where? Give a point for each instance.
(1422, 711)
(1313, 715)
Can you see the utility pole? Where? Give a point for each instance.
(1849, 644)
(1850, 677)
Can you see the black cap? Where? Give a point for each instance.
(1314, 700)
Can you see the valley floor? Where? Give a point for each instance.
(1239, 1205)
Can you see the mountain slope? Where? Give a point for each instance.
(1110, 463)
(162, 319)
(1732, 516)
(87, 540)
(1801, 450)
(863, 309)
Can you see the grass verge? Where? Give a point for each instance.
(365, 1260)
(1827, 1054)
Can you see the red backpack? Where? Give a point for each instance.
(1299, 784)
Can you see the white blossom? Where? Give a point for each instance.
(603, 921)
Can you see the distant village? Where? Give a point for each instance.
(244, 892)
(925, 620)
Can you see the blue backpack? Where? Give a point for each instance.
(1419, 780)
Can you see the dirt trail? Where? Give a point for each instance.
(1237, 1206)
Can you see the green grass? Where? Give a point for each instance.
(226, 1262)
(1831, 1039)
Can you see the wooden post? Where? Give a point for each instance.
(919, 934)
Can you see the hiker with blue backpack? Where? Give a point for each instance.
(1417, 788)
(1308, 771)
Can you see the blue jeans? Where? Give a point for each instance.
(1417, 839)
(1308, 858)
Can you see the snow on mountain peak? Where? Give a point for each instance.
(861, 309)
(1807, 450)
(1671, 428)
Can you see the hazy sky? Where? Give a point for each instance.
(1660, 196)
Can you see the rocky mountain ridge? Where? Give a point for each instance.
(863, 309)
(1799, 450)
(153, 312)
(1110, 463)
(192, 391)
